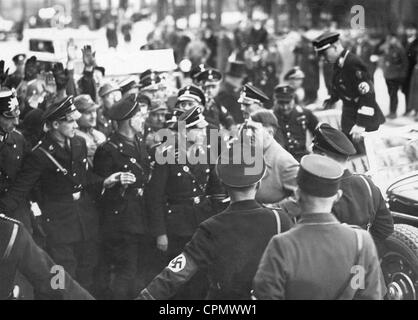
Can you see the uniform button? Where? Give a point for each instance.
(169, 211)
(14, 146)
(58, 170)
(125, 166)
(207, 170)
(120, 145)
(194, 181)
(194, 190)
(5, 190)
(84, 160)
(116, 212)
(47, 220)
(18, 157)
(179, 174)
(74, 174)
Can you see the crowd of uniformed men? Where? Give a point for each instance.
(85, 155)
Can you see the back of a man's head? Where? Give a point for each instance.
(266, 118)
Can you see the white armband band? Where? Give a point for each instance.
(366, 111)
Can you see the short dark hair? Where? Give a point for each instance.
(266, 118)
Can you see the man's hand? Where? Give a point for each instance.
(89, 57)
(356, 132)
(127, 178)
(162, 242)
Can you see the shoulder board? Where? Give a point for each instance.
(299, 109)
(111, 143)
(18, 132)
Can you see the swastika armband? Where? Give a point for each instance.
(366, 111)
(363, 87)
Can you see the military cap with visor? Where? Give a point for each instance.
(125, 108)
(151, 81)
(209, 76)
(65, 110)
(234, 170)
(332, 141)
(319, 176)
(324, 41)
(250, 94)
(192, 118)
(9, 105)
(191, 93)
(284, 93)
(127, 84)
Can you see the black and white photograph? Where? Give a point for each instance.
(206, 150)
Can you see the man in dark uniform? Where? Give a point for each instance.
(294, 122)
(228, 246)
(109, 94)
(123, 207)
(19, 253)
(179, 192)
(128, 86)
(353, 84)
(251, 99)
(362, 203)
(13, 149)
(69, 217)
(214, 113)
(16, 77)
(229, 91)
(320, 258)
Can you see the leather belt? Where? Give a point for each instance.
(192, 200)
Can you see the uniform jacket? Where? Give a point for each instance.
(177, 197)
(313, 261)
(65, 220)
(292, 130)
(12, 152)
(362, 203)
(25, 256)
(279, 180)
(359, 107)
(228, 248)
(228, 96)
(217, 115)
(13, 80)
(123, 209)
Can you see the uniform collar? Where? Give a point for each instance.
(342, 58)
(244, 205)
(318, 218)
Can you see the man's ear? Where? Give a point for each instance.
(55, 125)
